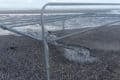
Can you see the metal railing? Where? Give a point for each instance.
(46, 49)
(44, 20)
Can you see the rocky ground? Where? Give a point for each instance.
(22, 58)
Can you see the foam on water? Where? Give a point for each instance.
(115, 12)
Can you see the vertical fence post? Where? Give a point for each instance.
(45, 44)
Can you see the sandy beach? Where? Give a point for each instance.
(22, 58)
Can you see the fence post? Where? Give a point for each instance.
(45, 44)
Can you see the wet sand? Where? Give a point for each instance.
(22, 58)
